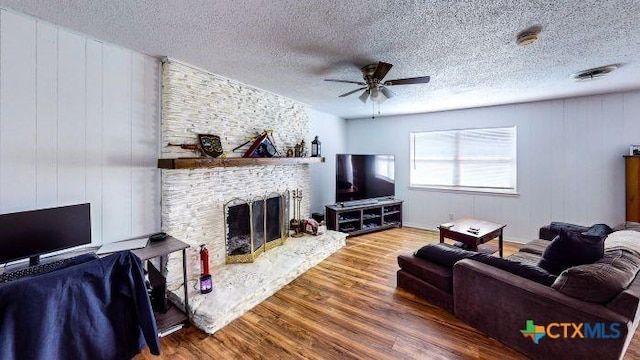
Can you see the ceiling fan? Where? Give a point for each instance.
(373, 86)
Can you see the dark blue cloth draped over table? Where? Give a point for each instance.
(90, 309)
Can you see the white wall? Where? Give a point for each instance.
(331, 132)
(570, 165)
(79, 122)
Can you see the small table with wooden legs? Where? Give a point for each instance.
(461, 230)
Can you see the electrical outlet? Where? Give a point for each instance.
(450, 216)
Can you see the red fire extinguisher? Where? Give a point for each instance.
(204, 260)
(206, 284)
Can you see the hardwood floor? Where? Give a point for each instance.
(347, 307)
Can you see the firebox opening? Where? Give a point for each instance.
(255, 226)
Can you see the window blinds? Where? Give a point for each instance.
(461, 159)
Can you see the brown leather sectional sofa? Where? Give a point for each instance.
(516, 310)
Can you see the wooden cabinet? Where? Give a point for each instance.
(356, 220)
(632, 176)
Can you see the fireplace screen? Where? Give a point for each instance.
(252, 227)
(238, 229)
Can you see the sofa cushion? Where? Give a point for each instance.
(448, 256)
(569, 249)
(525, 258)
(601, 281)
(437, 275)
(536, 246)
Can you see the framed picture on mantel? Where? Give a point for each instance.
(634, 150)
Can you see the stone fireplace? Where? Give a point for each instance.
(193, 200)
(255, 226)
(229, 209)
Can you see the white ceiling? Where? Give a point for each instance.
(289, 46)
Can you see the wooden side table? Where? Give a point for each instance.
(459, 231)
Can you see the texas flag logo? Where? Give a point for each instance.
(534, 332)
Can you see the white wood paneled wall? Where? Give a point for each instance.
(332, 133)
(570, 165)
(79, 122)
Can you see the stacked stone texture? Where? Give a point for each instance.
(197, 102)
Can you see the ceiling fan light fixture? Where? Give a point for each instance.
(375, 94)
(364, 96)
(387, 93)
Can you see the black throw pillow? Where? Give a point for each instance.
(594, 230)
(599, 230)
(557, 227)
(571, 248)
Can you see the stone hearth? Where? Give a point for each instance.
(239, 287)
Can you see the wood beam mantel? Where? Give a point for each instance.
(202, 162)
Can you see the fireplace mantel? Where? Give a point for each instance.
(203, 163)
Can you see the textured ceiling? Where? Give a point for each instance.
(289, 46)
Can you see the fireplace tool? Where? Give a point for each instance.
(297, 223)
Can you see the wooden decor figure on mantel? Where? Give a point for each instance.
(261, 146)
(208, 145)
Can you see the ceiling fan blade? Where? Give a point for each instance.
(351, 92)
(408, 81)
(387, 93)
(364, 96)
(346, 81)
(381, 70)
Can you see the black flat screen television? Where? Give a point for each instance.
(360, 177)
(29, 234)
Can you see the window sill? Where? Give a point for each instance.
(471, 191)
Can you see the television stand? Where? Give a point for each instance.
(364, 218)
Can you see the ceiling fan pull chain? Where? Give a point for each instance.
(373, 109)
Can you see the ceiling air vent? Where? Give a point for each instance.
(595, 73)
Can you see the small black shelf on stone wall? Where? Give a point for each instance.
(361, 219)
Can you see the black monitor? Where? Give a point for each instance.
(29, 234)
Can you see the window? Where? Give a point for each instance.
(472, 159)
